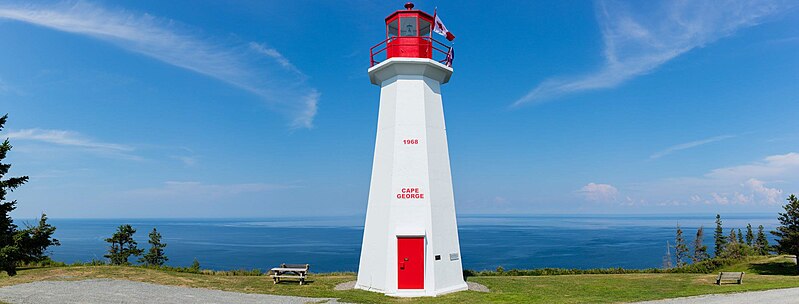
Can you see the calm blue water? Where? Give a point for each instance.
(333, 243)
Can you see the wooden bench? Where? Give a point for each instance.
(730, 276)
(290, 271)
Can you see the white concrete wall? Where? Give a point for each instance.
(410, 108)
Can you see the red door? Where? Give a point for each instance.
(410, 268)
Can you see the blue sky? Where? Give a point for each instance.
(258, 109)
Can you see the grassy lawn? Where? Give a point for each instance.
(761, 274)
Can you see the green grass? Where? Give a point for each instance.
(762, 273)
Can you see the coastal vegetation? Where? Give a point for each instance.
(788, 231)
(28, 245)
(762, 272)
(155, 256)
(123, 246)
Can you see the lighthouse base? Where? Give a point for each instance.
(419, 292)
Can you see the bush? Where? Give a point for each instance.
(706, 266)
(47, 262)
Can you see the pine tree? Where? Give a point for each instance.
(155, 256)
(122, 246)
(750, 237)
(195, 266)
(700, 250)
(18, 246)
(733, 249)
(761, 244)
(719, 238)
(788, 231)
(33, 241)
(680, 248)
(740, 237)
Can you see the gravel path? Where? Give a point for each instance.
(118, 291)
(789, 295)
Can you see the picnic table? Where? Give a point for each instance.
(290, 271)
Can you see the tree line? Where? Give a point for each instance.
(736, 244)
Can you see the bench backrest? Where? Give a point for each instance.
(305, 266)
(731, 275)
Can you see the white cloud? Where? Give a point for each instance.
(769, 195)
(720, 199)
(688, 145)
(638, 40)
(238, 64)
(599, 192)
(75, 140)
(771, 167)
(202, 191)
(759, 183)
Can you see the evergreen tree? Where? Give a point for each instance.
(761, 244)
(719, 238)
(34, 240)
(18, 246)
(700, 250)
(195, 266)
(680, 248)
(155, 256)
(740, 237)
(788, 231)
(750, 237)
(733, 239)
(122, 246)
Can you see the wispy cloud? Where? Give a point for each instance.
(199, 191)
(639, 39)
(188, 161)
(66, 138)
(276, 80)
(75, 140)
(688, 145)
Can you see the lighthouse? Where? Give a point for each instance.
(410, 242)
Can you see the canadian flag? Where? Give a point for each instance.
(440, 29)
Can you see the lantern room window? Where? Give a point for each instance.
(408, 27)
(393, 28)
(424, 27)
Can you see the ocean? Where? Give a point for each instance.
(333, 243)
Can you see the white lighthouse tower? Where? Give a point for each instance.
(410, 241)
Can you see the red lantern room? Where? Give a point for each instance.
(409, 34)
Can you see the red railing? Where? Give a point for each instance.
(436, 49)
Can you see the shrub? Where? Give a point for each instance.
(706, 266)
